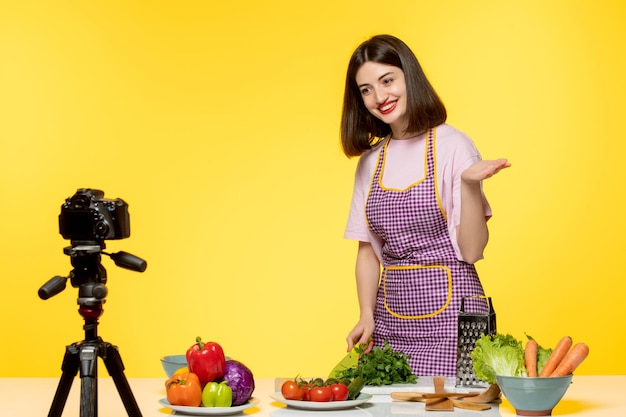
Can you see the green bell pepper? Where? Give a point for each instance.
(217, 394)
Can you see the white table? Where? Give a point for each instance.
(588, 396)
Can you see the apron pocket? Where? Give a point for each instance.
(416, 292)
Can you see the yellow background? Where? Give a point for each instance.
(217, 121)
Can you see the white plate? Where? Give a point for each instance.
(314, 405)
(361, 411)
(208, 411)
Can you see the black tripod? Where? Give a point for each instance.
(89, 276)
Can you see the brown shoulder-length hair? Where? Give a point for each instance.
(360, 130)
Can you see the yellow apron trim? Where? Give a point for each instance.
(387, 139)
(423, 316)
(398, 190)
(443, 212)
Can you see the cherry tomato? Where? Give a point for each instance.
(291, 390)
(321, 394)
(340, 392)
(306, 392)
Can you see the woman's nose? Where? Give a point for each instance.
(380, 96)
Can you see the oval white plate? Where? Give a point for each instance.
(208, 411)
(313, 405)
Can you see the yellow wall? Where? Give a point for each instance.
(218, 123)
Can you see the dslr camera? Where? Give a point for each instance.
(88, 216)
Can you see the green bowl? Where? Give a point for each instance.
(172, 363)
(533, 396)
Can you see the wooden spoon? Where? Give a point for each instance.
(439, 404)
(408, 396)
(423, 396)
(455, 397)
(491, 394)
(470, 406)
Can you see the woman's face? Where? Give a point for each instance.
(383, 90)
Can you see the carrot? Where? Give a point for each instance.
(530, 357)
(571, 361)
(556, 356)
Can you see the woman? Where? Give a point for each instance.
(417, 210)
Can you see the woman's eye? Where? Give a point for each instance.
(365, 91)
(388, 80)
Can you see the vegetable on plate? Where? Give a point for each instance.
(217, 394)
(206, 360)
(320, 390)
(321, 394)
(240, 380)
(340, 391)
(291, 390)
(184, 389)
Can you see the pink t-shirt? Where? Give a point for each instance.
(404, 165)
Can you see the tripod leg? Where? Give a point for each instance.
(69, 370)
(89, 380)
(88, 394)
(115, 367)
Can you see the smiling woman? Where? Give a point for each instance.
(426, 235)
(380, 66)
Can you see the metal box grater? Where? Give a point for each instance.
(475, 319)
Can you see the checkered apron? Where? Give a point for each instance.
(422, 281)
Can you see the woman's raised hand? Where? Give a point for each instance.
(484, 169)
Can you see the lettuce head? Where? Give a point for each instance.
(499, 354)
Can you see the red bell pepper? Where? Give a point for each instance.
(206, 360)
(184, 389)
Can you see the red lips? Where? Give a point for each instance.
(387, 107)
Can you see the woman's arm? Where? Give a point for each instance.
(472, 232)
(367, 276)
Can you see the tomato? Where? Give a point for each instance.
(291, 390)
(306, 392)
(321, 394)
(340, 392)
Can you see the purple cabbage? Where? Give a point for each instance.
(240, 380)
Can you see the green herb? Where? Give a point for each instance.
(382, 367)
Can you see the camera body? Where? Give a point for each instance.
(88, 216)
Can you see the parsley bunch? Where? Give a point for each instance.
(382, 367)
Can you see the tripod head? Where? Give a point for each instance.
(89, 275)
(87, 219)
